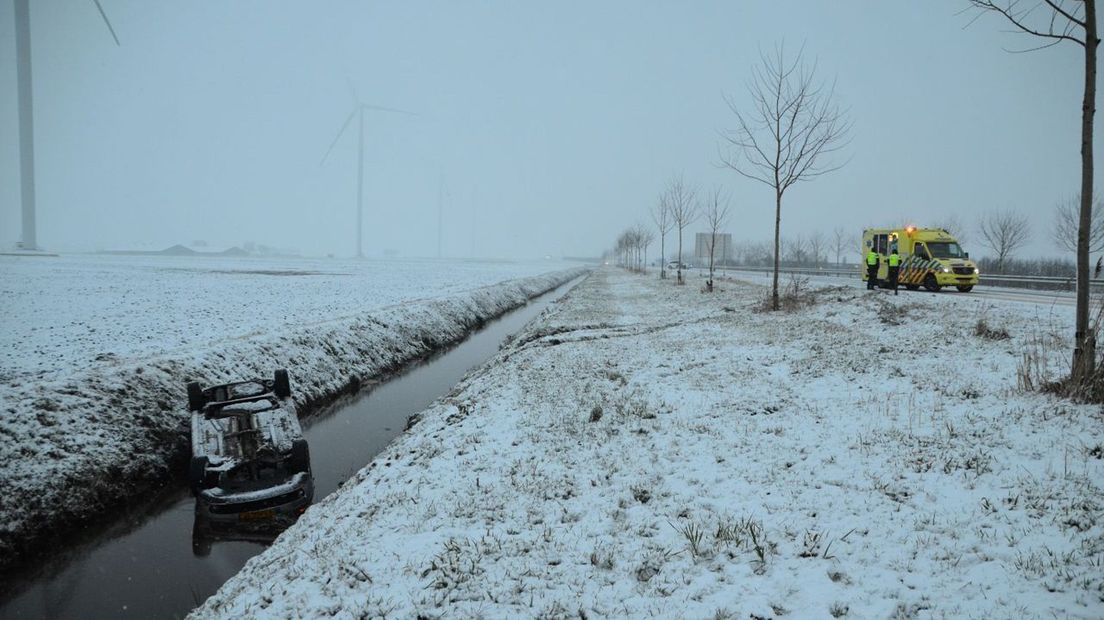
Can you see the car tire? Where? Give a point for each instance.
(931, 283)
(282, 385)
(912, 287)
(197, 473)
(300, 456)
(965, 289)
(196, 400)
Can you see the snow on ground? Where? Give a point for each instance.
(646, 450)
(93, 403)
(60, 314)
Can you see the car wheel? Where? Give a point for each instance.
(282, 386)
(197, 473)
(912, 287)
(300, 456)
(931, 283)
(195, 397)
(965, 289)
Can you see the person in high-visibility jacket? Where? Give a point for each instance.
(871, 269)
(894, 268)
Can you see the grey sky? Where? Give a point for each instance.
(555, 124)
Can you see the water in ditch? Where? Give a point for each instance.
(145, 565)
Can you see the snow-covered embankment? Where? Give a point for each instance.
(75, 448)
(646, 450)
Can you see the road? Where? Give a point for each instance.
(1045, 298)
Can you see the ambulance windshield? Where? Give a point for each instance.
(945, 249)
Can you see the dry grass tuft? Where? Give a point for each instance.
(793, 296)
(983, 330)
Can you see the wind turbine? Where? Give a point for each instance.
(440, 208)
(28, 242)
(358, 111)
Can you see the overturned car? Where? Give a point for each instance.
(250, 463)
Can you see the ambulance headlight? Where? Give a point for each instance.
(946, 269)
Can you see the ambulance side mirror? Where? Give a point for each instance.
(966, 254)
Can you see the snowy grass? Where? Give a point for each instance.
(78, 441)
(862, 456)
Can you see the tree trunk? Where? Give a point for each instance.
(662, 255)
(712, 247)
(678, 277)
(1084, 352)
(777, 226)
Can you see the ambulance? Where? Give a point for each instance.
(930, 257)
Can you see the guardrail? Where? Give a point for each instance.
(1044, 283)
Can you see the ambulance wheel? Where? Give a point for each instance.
(965, 289)
(931, 283)
(912, 287)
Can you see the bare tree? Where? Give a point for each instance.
(1071, 22)
(680, 200)
(630, 247)
(955, 226)
(840, 241)
(634, 248)
(759, 253)
(817, 245)
(741, 253)
(716, 216)
(661, 216)
(1004, 232)
(644, 238)
(622, 249)
(1064, 228)
(795, 250)
(793, 127)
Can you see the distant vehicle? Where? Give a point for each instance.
(674, 265)
(930, 257)
(250, 462)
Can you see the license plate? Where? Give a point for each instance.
(260, 515)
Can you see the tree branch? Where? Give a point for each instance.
(1017, 18)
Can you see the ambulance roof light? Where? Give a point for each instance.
(910, 229)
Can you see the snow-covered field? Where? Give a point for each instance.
(97, 350)
(66, 313)
(647, 450)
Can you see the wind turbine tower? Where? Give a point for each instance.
(440, 211)
(29, 240)
(358, 111)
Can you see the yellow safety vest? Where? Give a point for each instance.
(872, 258)
(894, 260)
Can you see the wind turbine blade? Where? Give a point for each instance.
(352, 90)
(108, 22)
(383, 109)
(339, 134)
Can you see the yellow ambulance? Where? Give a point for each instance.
(930, 257)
